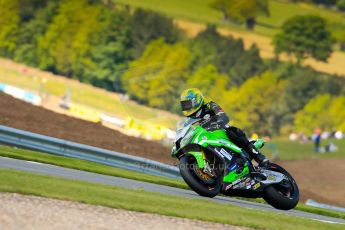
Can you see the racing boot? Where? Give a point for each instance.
(258, 157)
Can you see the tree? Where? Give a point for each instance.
(159, 75)
(325, 2)
(29, 32)
(242, 11)
(341, 5)
(336, 112)
(227, 54)
(208, 80)
(67, 38)
(300, 88)
(253, 106)
(303, 84)
(323, 111)
(147, 26)
(247, 65)
(203, 47)
(28, 8)
(305, 36)
(109, 54)
(9, 25)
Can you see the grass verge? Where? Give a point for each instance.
(137, 200)
(306, 208)
(285, 149)
(22, 154)
(13, 152)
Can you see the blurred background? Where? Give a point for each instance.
(275, 66)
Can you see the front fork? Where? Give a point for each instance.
(202, 162)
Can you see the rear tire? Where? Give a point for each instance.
(203, 188)
(279, 197)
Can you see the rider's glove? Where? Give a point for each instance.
(213, 126)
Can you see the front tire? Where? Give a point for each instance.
(208, 187)
(279, 196)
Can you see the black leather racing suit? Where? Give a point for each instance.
(213, 112)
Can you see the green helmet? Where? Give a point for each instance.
(191, 101)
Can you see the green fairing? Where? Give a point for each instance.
(214, 138)
(198, 135)
(232, 176)
(199, 158)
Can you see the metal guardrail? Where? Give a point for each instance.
(62, 147)
(313, 203)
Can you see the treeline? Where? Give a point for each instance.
(145, 55)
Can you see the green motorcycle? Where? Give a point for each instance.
(211, 164)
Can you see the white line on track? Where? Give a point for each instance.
(34, 162)
(327, 221)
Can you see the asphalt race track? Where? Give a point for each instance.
(52, 170)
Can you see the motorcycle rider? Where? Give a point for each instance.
(194, 106)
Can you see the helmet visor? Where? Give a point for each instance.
(186, 105)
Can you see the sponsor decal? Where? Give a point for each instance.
(228, 187)
(248, 183)
(240, 185)
(225, 154)
(223, 151)
(221, 155)
(256, 186)
(233, 167)
(236, 186)
(271, 178)
(237, 181)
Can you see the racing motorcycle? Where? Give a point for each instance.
(211, 164)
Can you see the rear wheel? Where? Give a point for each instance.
(200, 182)
(284, 195)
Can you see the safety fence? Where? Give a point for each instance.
(62, 147)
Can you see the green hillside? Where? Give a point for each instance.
(146, 56)
(101, 100)
(199, 11)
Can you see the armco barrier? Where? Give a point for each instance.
(57, 146)
(311, 202)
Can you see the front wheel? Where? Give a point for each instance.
(285, 195)
(201, 183)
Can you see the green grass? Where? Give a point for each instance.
(112, 171)
(293, 150)
(84, 94)
(73, 163)
(199, 11)
(139, 200)
(193, 10)
(320, 211)
(305, 208)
